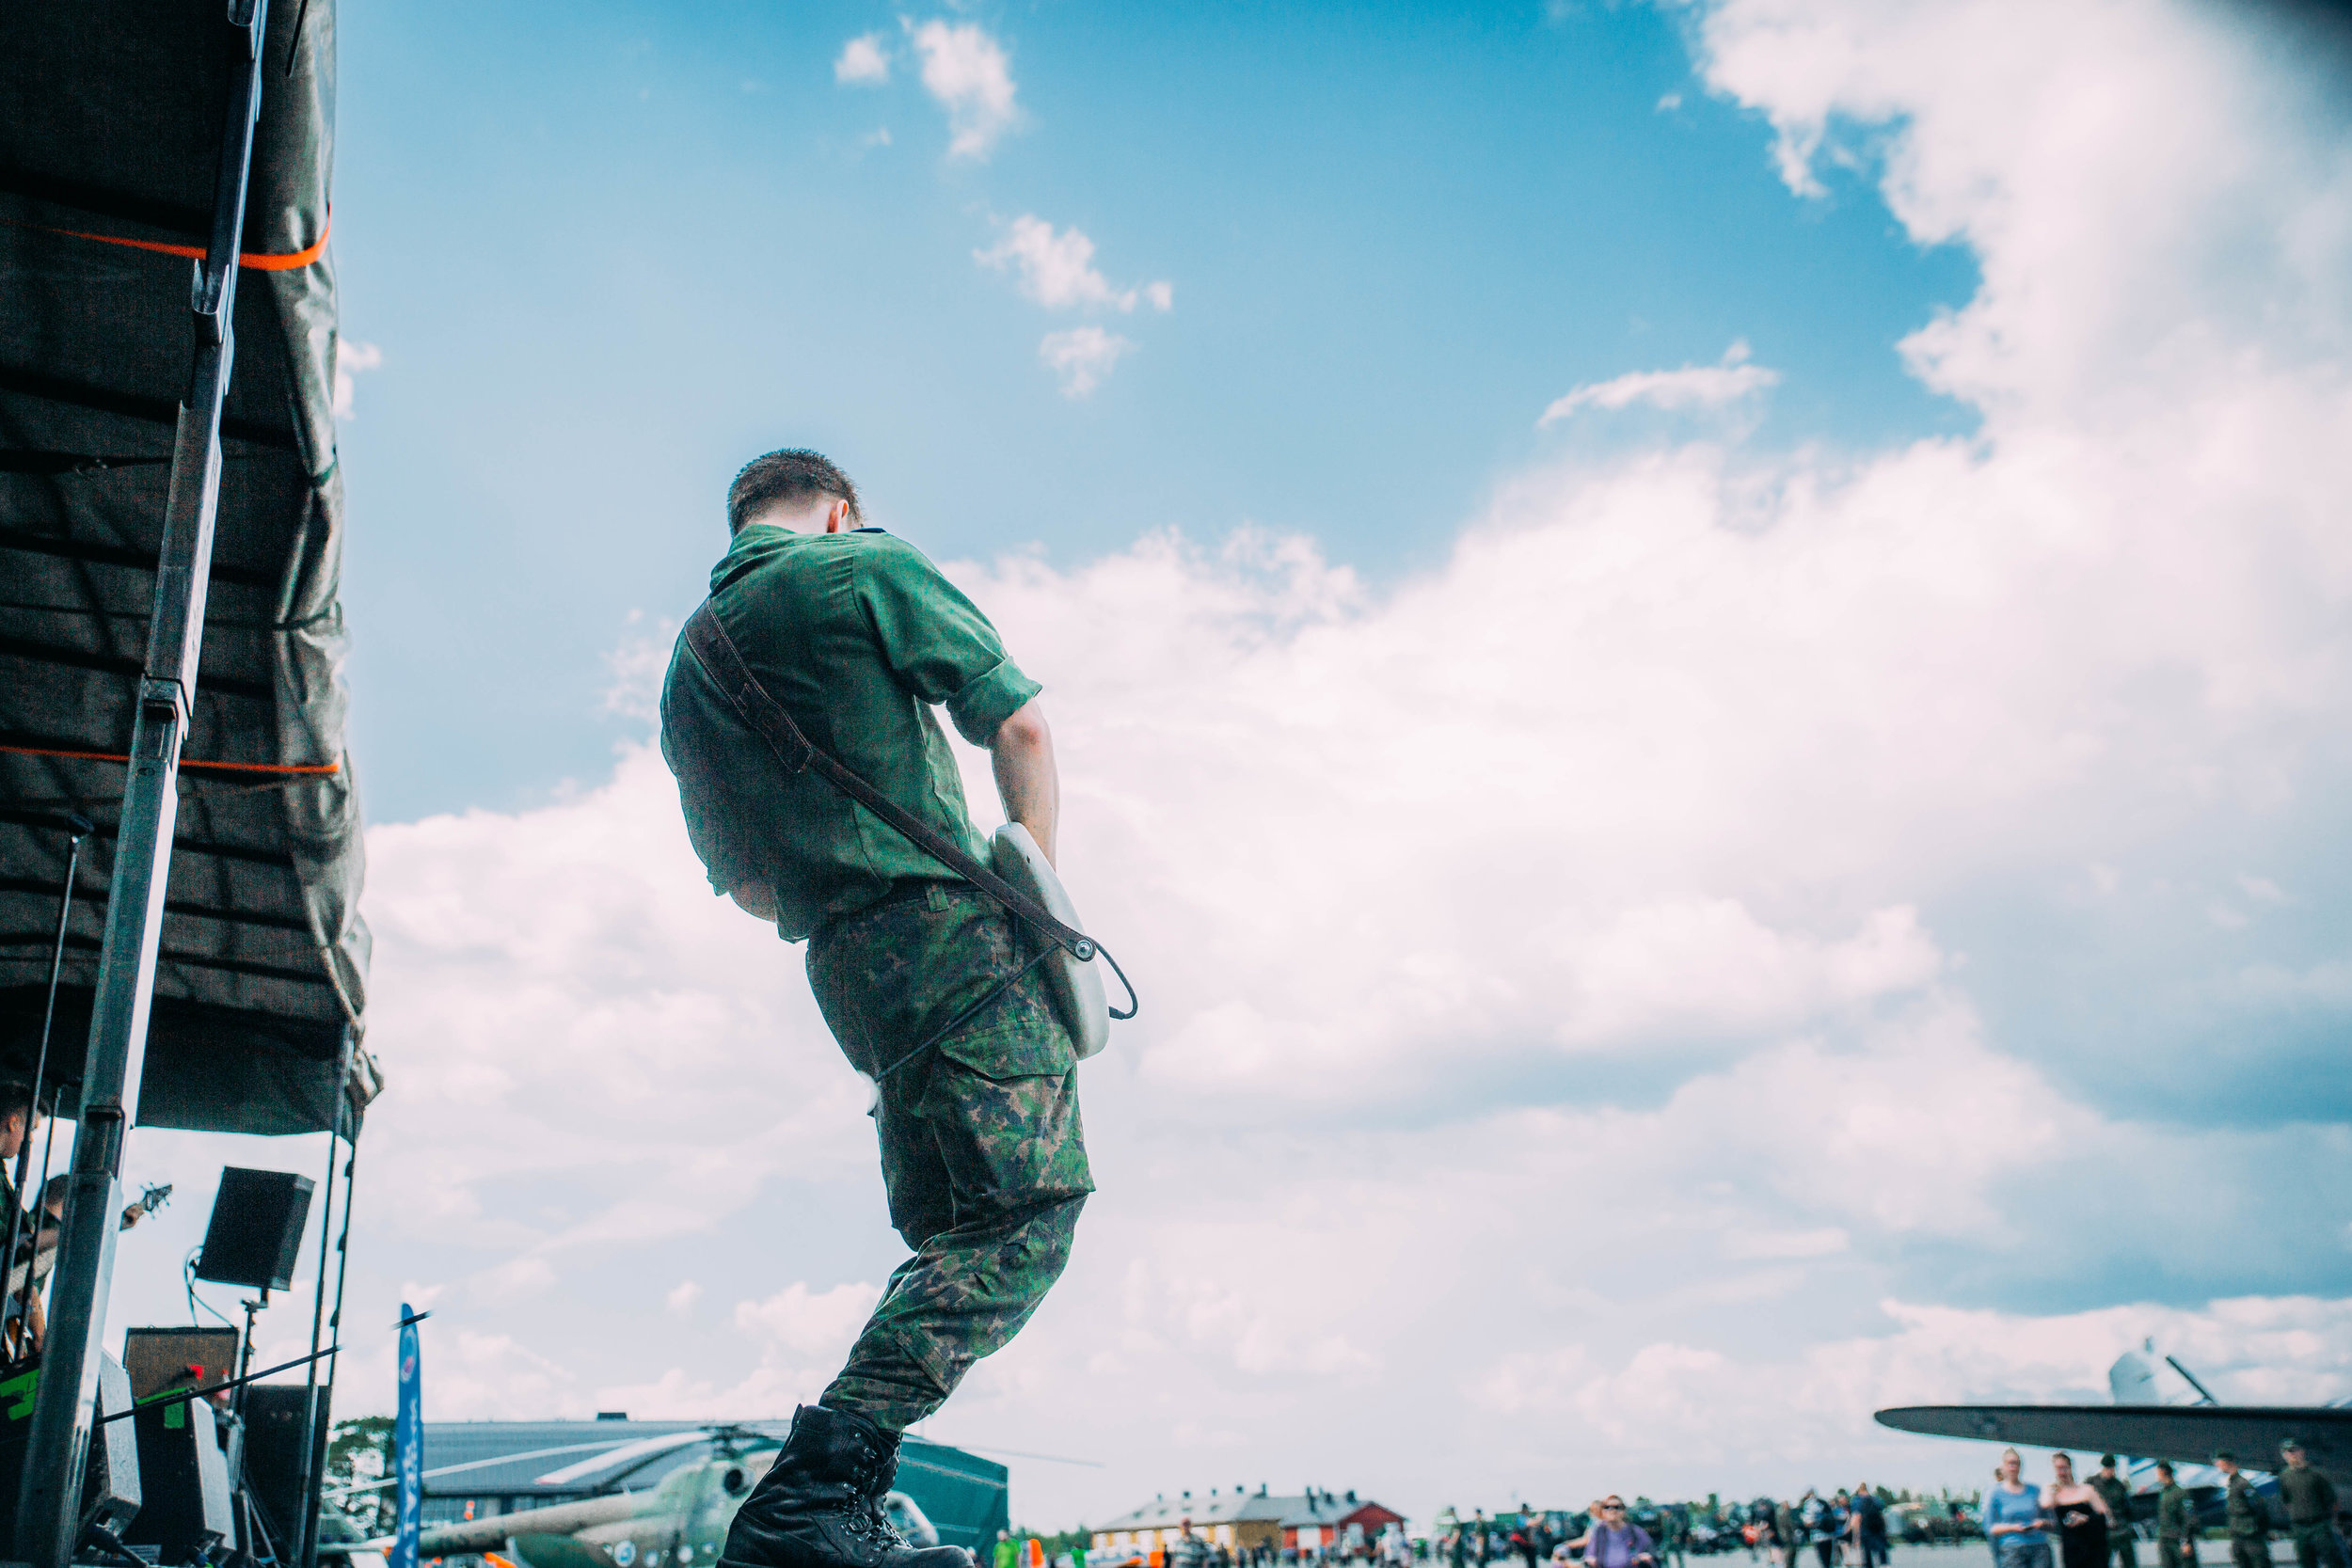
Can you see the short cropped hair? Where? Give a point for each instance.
(791, 476)
(15, 1095)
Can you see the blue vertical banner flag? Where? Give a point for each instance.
(408, 1448)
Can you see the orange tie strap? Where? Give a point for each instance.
(185, 762)
(258, 260)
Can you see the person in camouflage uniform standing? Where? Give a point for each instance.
(2176, 1521)
(923, 981)
(2242, 1513)
(2310, 1501)
(2117, 1493)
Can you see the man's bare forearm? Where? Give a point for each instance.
(1026, 782)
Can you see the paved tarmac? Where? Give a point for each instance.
(1975, 1554)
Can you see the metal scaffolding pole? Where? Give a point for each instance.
(305, 1551)
(48, 1517)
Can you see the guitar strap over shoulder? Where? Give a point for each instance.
(715, 651)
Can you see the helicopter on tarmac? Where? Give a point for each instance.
(680, 1522)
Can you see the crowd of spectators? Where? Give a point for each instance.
(2071, 1522)
(2090, 1522)
(1817, 1529)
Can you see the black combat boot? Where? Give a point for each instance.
(821, 1504)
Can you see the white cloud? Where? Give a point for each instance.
(965, 69)
(2232, 174)
(1081, 356)
(637, 665)
(1633, 977)
(478, 1376)
(588, 1042)
(352, 358)
(1056, 268)
(864, 61)
(1785, 1244)
(1674, 1403)
(1692, 387)
(796, 1340)
(818, 1324)
(683, 1296)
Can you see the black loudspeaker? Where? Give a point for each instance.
(277, 1427)
(255, 1231)
(184, 1476)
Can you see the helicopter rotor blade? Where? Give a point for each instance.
(643, 1449)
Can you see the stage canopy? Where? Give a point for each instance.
(107, 159)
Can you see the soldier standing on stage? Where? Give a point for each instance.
(2249, 1525)
(2310, 1501)
(2114, 1492)
(2176, 1521)
(856, 636)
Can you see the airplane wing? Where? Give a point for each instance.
(2183, 1433)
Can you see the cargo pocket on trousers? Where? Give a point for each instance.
(1038, 1050)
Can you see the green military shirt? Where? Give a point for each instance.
(858, 636)
(2308, 1495)
(2175, 1519)
(2244, 1509)
(2117, 1497)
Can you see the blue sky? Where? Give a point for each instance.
(1726, 796)
(602, 280)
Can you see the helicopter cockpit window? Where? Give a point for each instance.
(735, 1480)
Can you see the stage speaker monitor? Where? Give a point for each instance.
(281, 1420)
(161, 1358)
(256, 1230)
(110, 1477)
(183, 1475)
(111, 1493)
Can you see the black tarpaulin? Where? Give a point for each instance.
(108, 150)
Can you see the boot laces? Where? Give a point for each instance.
(869, 1524)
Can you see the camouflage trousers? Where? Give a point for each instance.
(982, 1154)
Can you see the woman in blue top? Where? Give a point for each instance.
(1613, 1541)
(2013, 1518)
